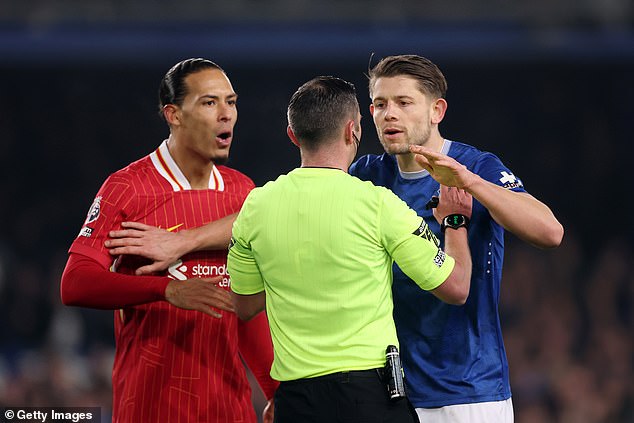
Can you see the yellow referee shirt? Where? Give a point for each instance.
(321, 243)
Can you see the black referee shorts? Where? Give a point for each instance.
(345, 397)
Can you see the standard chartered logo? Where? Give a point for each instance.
(178, 271)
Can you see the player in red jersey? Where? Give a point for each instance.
(178, 342)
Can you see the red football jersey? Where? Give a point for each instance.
(171, 365)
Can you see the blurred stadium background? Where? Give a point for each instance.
(548, 86)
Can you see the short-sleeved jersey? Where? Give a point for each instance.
(451, 354)
(171, 364)
(321, 244)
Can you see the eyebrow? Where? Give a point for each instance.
(398, 97)
(216, 97)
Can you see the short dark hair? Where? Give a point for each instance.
(430, 79)
(319, 108)
(173, 89)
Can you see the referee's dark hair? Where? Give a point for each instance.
(173, 89)
(319, 108)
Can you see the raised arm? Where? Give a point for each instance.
(519, 213)
(163, 246)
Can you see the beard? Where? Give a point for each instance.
(418, 138)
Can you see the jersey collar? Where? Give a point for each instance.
(168, 169)
(446, 145)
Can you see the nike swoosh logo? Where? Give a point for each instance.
(173, 228)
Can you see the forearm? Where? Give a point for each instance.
(455, 289)
(212, 236)
(248, 306)
(519, 213)
(86, 284)
(256, 348)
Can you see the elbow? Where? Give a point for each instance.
(248, 306)
(462, 288)
(68, 296)
(245, 315)
(552, 236)
(459, 297)
(455, 290)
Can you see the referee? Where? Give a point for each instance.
(315, 248)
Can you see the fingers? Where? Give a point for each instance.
(422, 160)
(129, 250)
(121, 242)
(453, 201)
(151, 268)
(209, 311)
(131, 230)
(424, 151)
(137, 225)
(201, 295)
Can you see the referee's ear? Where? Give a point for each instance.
(291, 135)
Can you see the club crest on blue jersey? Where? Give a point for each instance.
(93, 212)
(509, 181)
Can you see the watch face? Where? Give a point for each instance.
(455, 220)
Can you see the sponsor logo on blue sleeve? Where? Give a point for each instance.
(509, 181)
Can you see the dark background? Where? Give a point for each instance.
(548, 87)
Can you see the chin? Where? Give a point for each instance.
(220, 160)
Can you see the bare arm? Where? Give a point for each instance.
(519, 213)
(455, 289)
(199, 294)
(247, 306)
(164, 247)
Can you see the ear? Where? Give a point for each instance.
(439, 107)
(371, 109)
(292, 136)
(348, 131)
(170, 112)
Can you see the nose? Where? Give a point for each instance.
(390, 111)
(226, 112)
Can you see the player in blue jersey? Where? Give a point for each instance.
(454, 359)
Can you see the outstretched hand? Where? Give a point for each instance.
(201, 294)
(159, 245)
(444, 169)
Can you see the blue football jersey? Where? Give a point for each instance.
(451, 354)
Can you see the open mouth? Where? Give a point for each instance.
(391, 131)
(224, 137)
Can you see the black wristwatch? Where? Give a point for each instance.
(454, 221)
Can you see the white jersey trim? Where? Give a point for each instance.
(169, 170)
(422, 173)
